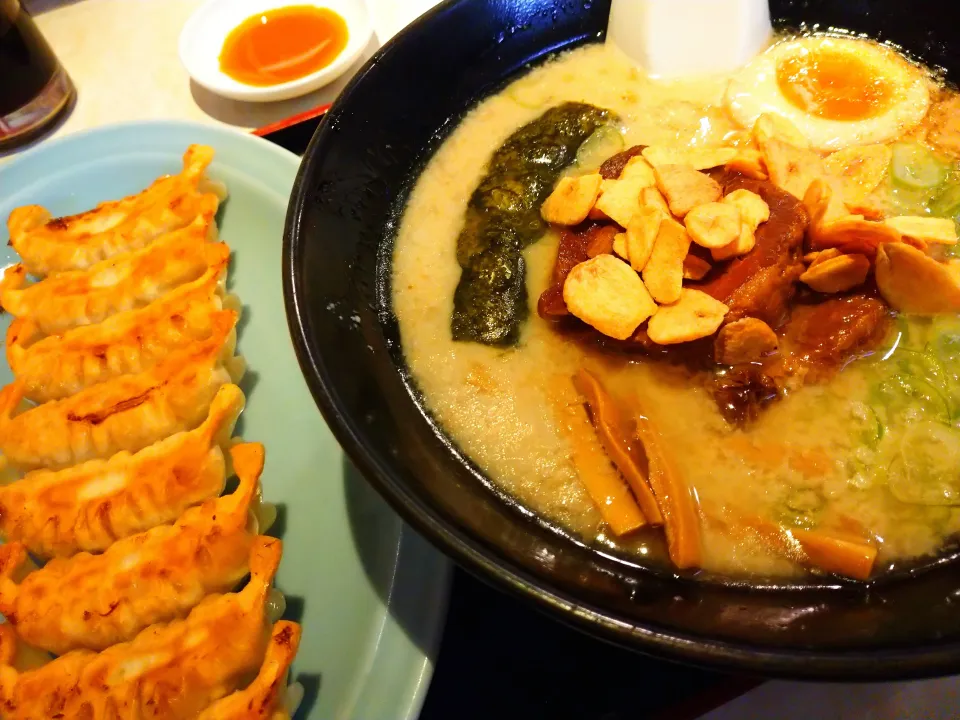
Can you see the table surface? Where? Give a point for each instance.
(499, 657)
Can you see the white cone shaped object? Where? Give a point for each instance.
(670, 38)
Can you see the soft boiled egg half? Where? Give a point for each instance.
(837, 91)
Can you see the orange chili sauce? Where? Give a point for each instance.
(284, 44)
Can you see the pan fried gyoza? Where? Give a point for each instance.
(122, 406)
(127, 413)
(50, 245)
(124, 282)
(58, 366)
(89, 506)
(264, 698)
(168, 671)
(93, 601)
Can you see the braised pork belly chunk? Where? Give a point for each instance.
(776, 332)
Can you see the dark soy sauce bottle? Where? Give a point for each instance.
(34, 89)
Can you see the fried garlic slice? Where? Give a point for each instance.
(791, 168)
(699, 158)
(770, 126)
(640, 171)
(830, 228)
(817, 199)
(859, 169)
(748, 162)
(641, 235)
(836, 274)
(695, 315)
(821, 256)
(754, 210)
(744, 341)
(713, 225)
(620, 248)
(572, 200)
(620, 199)
(608, 295)
(913, 282)
(934, 230)
(663, 272)
(853, 235)
(684, 188)
(745, 242)
(651, 197)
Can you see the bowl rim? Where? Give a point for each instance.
(491, 566)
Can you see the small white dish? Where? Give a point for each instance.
(202, 37)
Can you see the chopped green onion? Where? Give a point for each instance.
(871, 427)
(915, 167)
(602, 144)
(805, 500)
(947, 203)
(925, 470)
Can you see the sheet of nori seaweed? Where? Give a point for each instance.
(503, 217)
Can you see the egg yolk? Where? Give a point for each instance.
(833, 85)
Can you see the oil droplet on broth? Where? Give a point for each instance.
(282, 45)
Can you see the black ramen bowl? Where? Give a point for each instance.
(343, 215)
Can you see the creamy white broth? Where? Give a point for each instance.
(805, 456)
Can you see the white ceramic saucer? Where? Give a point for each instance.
(201, 41)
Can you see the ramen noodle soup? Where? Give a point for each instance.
(710, 324)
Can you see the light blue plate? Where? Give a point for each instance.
(371, 594)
